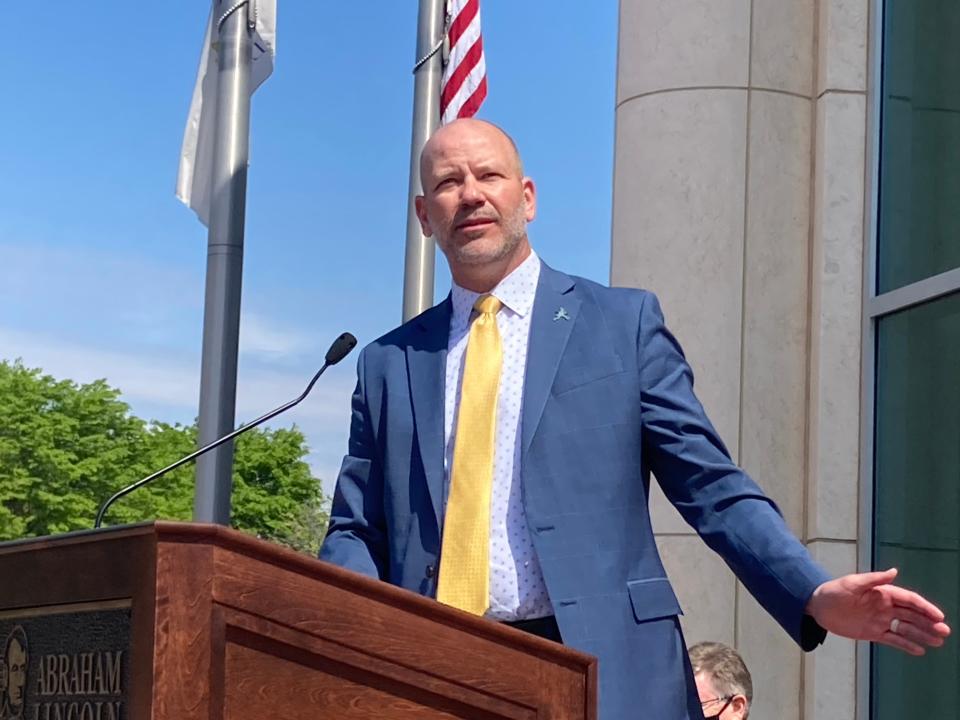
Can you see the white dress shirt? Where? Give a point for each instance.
(517, 590)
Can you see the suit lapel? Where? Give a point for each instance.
(555, 311)
(426, 365)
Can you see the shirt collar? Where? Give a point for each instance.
(516, 291)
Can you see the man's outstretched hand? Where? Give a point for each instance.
(865, 606)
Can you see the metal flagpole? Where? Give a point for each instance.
(221, 315)
(419, 258)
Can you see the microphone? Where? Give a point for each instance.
(340, 348)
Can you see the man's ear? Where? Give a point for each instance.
(529, 198)
(739, 705)
(420, 204)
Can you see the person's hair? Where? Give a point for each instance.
(725, 667)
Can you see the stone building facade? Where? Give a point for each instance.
(786, 180)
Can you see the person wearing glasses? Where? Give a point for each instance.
(723, 681)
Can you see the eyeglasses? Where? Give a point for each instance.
(716, 715)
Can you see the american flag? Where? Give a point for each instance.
(464, 83)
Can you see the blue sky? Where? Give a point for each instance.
(102, 269)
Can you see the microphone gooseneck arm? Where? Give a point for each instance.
(338, 350)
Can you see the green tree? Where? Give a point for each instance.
(274, 493)
(65, 447)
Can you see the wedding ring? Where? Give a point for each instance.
(894, 625)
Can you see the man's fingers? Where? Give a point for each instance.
(901, 643)
(865, 581)
(922, 621)
(906, 614)
(919, 635)
(910, 600)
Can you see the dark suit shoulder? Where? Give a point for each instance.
(421, 332)
(615, 300)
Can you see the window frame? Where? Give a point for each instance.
(875, 307)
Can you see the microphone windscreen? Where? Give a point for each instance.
(340, 348)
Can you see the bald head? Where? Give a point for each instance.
(461, 130)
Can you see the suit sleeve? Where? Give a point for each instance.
(729, 511)
(356, 537)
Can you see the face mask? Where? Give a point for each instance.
(716, 716)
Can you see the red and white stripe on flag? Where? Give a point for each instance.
(464, 83)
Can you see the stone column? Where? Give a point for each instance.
(727, 186)
(836, 282)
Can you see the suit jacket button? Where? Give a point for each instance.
(430, 571)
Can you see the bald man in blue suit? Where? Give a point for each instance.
(607, 399)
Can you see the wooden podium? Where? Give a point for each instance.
(178, 621)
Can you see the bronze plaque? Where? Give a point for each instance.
(66, 662)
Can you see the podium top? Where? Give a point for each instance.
(164, 532)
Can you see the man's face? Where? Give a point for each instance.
(16, 672)
(715, 704)
(475, 202)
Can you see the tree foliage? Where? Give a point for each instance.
(66, 447)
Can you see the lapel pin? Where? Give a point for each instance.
(561, 314)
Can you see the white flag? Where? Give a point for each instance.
(196, 154)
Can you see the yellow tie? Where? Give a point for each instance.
(464, 580)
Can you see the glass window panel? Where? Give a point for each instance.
(917, 495)
(919, 223)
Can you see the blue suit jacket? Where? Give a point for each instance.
(608, 398)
